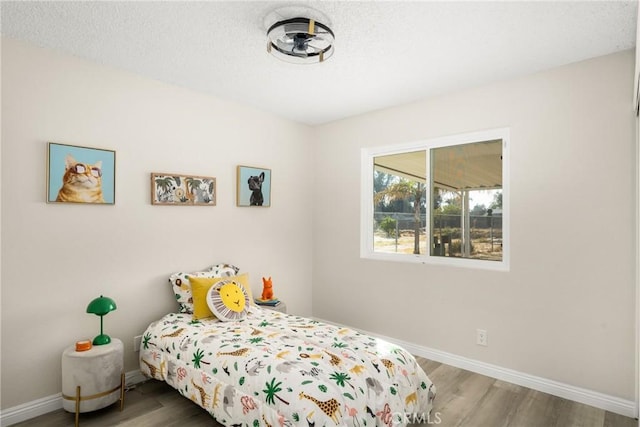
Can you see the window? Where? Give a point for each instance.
(440, 201)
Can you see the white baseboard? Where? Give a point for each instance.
(555, 388)
(134, 377)
(30, 410)
(566, 391)
(38, 407)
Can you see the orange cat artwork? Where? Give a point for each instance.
(267, 289)
(81, 183)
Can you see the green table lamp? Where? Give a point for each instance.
(100, 307)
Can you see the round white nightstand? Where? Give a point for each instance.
(93, 379)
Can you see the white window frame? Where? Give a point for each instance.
(366, 192)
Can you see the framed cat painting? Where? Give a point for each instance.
(80, 174)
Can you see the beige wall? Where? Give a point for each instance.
(565, 310)
(56, 258)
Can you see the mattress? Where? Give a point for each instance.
(274, 369)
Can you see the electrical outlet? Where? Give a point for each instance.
(136, 342)
(481, 337)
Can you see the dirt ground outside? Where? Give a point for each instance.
(486, 244)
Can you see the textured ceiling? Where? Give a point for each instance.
(387, 52)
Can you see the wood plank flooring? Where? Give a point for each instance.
(464, 399)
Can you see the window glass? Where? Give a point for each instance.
(399, 186)
(438, 201)
(466, 201)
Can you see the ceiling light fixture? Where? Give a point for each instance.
(299, 39)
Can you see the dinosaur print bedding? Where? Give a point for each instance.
(274, 369)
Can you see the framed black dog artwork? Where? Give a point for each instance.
(253, 187)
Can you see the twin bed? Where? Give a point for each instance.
(274, 369)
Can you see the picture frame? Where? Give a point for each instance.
(174, 189)
(83, 175)
(253, 187)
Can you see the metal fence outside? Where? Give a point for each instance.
(446, 240)
(405, 221)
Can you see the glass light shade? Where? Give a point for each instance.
(100, 307)
(300, 41)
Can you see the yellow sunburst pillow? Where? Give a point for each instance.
(201, 285)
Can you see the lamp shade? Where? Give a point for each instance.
(100, 307)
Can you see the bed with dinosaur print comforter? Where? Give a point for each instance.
(274, 369)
